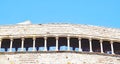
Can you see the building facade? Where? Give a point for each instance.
(66, 39)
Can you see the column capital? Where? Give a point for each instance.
(90, 39)
(34, 38)
(45, 37)
(101, 40)
(111, 42)
(79, 38)
(11, 39)
(23, 38)
(68, 37)
(57, 37)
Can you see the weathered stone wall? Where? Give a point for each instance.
(59, 29)
(58, 58)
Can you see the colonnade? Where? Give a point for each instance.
(68, 44)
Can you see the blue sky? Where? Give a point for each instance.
(94, 12)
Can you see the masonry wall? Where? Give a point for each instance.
(57, 58)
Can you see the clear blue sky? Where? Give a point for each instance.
(93, 12)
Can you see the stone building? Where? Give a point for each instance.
(59, 44)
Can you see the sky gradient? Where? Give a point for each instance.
(92, 12)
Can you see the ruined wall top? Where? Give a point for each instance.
(59, 30)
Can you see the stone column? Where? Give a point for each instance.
(34, 43)
(11, 43)
(0, 43)
(68, 43)
(22, 46)
(57, 43)
(101, 46)
(80, 48)
(112, 49)
(90, 43)
(45, 43)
